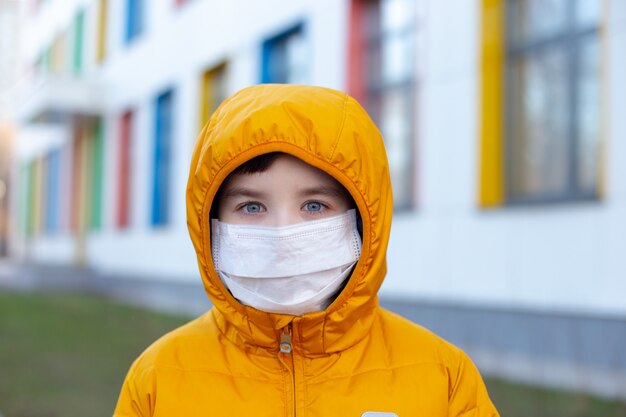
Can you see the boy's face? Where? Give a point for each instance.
(289, 191)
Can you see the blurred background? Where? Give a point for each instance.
(505, 127)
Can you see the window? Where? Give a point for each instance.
(284, 57)
(79, 23)
(545, 148)
(45, 60)
(52, 191)
(81, 178)
(87, 175)
(124, 169)
(40, 63)
(64, 200)
(381, 76)
(36, 193)
(134, 19)
(58, 55)
(162, 159)
(213, 91)
(102, 31)
(27, 197)
(77, 177)
(95, 165)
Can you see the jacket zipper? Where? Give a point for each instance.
(287, 349)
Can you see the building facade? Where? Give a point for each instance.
(503, 123)
(9, 39)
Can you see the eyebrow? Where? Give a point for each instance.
(251, 193)
(323, 190)
(242, 192)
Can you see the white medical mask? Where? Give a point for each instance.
(294, 269)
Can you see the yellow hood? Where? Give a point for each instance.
(352, 359)
(326, 129)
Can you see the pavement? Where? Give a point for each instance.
(173, 296)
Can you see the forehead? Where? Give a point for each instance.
(286, 173)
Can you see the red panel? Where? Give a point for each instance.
(123, 200)
(356, 57)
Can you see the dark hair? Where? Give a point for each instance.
(255, 165)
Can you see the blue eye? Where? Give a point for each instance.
(313, 206)
(252, 208)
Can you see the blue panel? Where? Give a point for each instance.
(274, 56)
(134, 19)
(52, 194)
(265, 62)
(162, 159)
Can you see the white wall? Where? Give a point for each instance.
(566, 257)
(177, 46)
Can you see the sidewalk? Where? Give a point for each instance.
(184, 298)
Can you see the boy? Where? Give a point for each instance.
(289, 208)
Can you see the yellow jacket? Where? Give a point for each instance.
(350, 359)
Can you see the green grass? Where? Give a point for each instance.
(518, 400)
(67, 355)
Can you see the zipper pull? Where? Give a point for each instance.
(285, 341)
